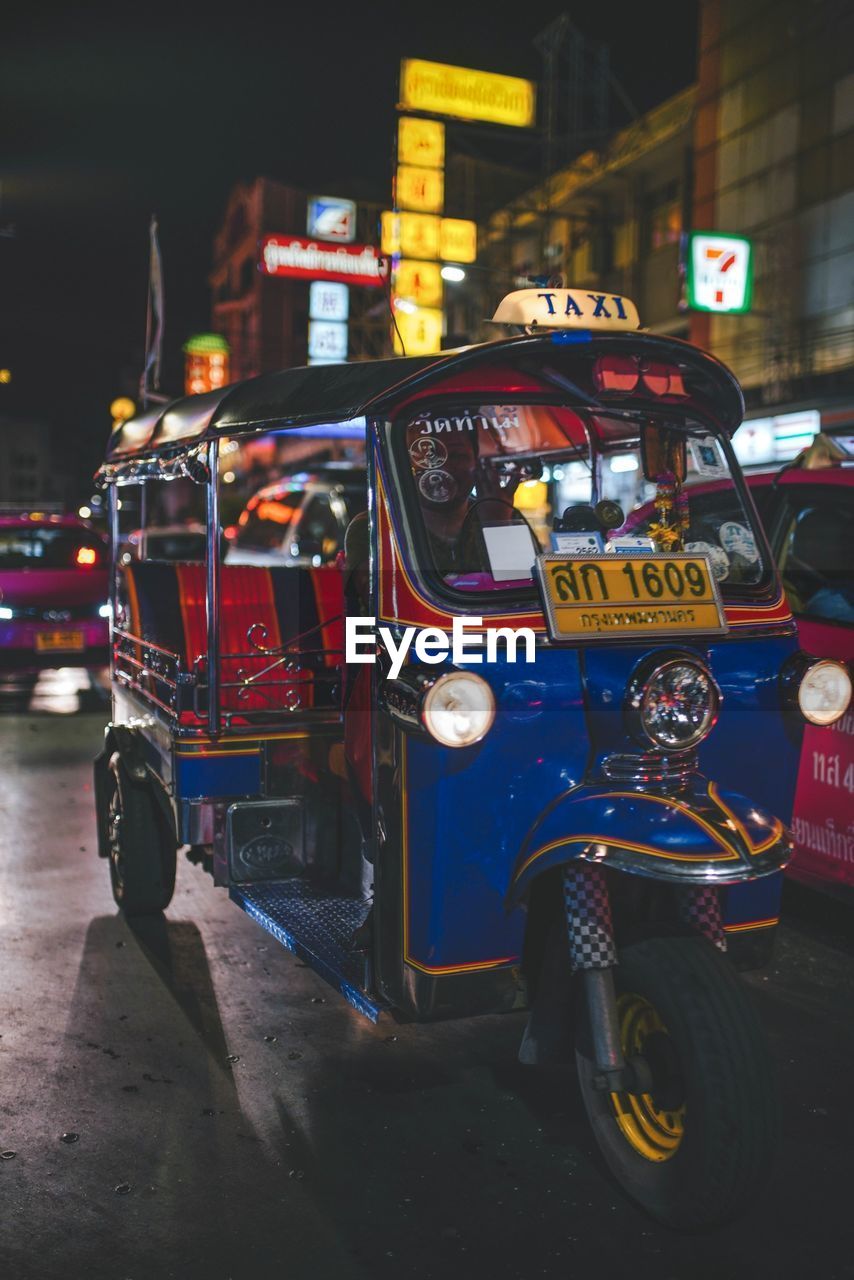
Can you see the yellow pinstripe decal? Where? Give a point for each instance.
(776, 830)
(630, 846)
(199, 744)
(673, 804)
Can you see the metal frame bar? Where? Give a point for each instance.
(113, 520)
(212, 594)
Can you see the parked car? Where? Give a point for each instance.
(53, 592)
(299, 520)
(808, 513)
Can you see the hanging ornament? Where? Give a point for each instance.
(666, 530)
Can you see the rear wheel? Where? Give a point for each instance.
(695, 1147)
(141, 847)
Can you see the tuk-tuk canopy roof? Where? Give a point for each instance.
(329, 394)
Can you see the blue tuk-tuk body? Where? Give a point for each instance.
(429, 876)
(473, 830)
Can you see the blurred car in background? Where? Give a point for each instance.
(299, 520)
(53, 592)
(808, 512)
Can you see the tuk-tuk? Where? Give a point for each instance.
(492, 702)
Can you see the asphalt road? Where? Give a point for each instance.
(232, 1117)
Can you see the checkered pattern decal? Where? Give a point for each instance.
(699, 907)
(588, 917)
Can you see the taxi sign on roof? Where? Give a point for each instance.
(567, 309)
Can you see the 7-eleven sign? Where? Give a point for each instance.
(720, 272)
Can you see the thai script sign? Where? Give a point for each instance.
(466, 94)
(303, 259)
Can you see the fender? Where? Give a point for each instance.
(692, 834)
(129, 744)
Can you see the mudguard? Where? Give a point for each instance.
(129, 743)
(695, 834)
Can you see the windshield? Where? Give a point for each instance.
(494, 485)
(26, 547)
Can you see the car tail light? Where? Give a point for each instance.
(86, 555)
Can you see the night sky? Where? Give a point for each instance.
(107, 117)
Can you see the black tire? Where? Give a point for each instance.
(141, 848)
(713, 1086)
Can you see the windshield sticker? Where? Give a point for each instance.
(437, 486)
(717, 558)
(511, 551)
(579, 544)
(737, 540)
(427, 454)
(706, 457)
(502, 419)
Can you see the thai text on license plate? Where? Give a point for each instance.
(609, 597)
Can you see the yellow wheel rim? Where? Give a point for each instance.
(654, 1132)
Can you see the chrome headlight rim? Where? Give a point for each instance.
(639, 684)
(823, 664)
(439, 686)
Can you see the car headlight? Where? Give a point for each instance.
(824, 692)
(6, 613)
(674, 704)
(458, 709)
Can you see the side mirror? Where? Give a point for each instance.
(196, 469)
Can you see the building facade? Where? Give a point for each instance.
(28, 471)
(265, 319)
(611, 220)
(774, 161)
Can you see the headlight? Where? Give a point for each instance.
(458, 709)
(675, 705)
(825, 692)
(6, 613)
(105, 611)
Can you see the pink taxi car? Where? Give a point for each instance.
(808, 513)
(53, 593)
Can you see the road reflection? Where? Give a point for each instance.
(63, 691)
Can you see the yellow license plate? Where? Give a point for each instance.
(60, 641)
(612, 597)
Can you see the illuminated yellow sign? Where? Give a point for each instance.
(443, 90)
(458, 240)
(421, 282)
(419, 235)
(420, 189)
(420, 330)
(420, 142)
(390, 232)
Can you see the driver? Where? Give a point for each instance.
(453, 483)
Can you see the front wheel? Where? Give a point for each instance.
(695, 1149)
(141, 848)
